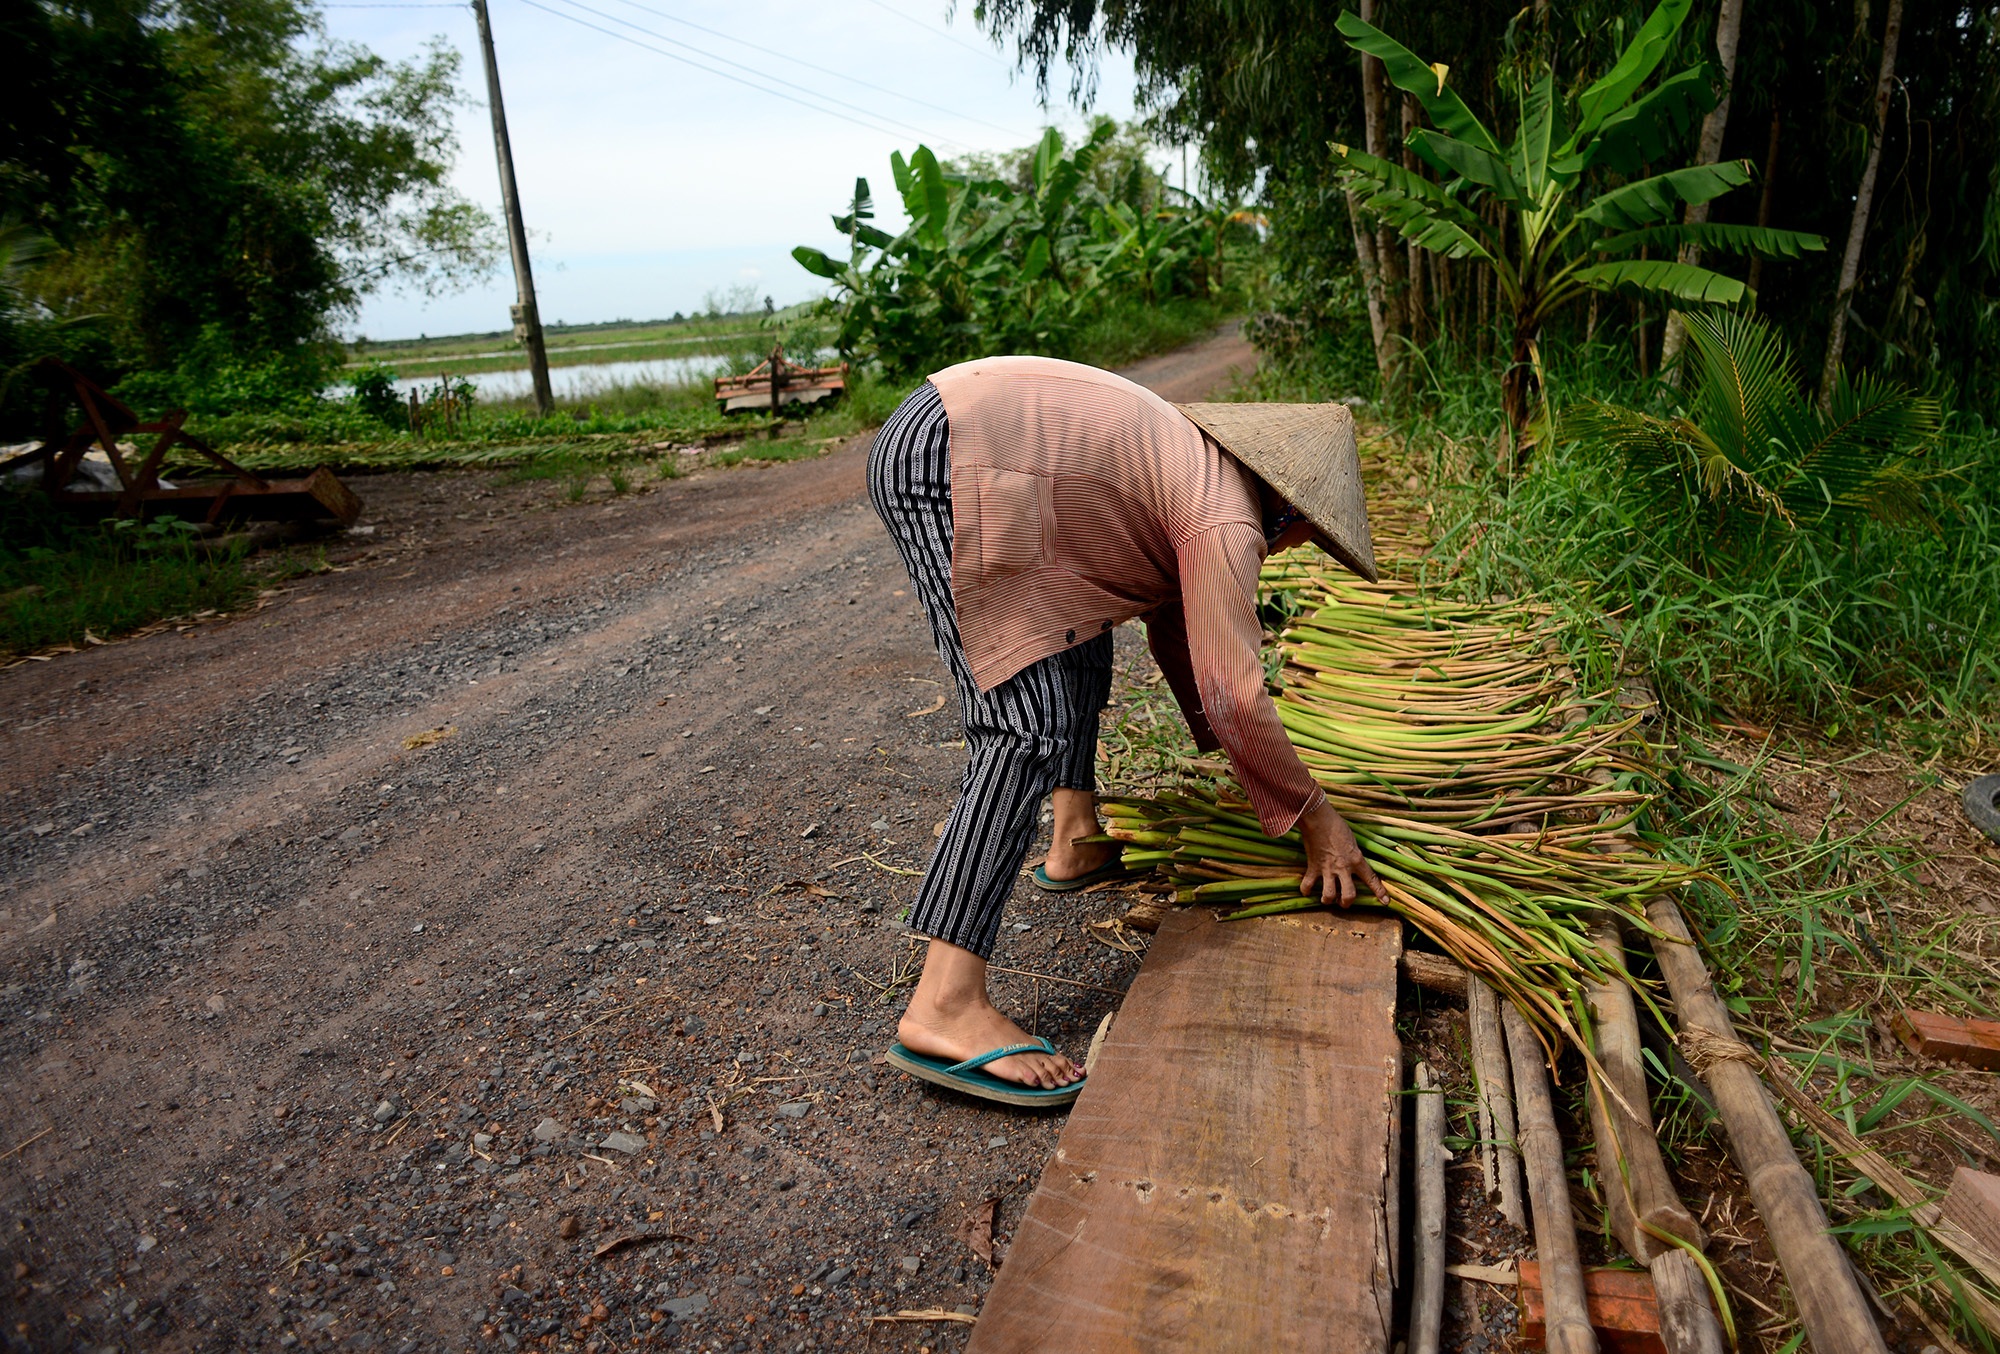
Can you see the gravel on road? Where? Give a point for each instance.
(489, 942)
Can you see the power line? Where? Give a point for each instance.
(910, 128)
(761, 75)
(946, 34)
(823, 70)
(710, 70)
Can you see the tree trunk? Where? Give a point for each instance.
(1388, 254)
(1765, 198)
(1415, 308)
(1728, 23)
(1371, 286)
(1864, 199)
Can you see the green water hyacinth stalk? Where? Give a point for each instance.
(1488, 792)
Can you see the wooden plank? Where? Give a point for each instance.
(1975, 1043)
(1624, 1310)
(1973, 1202)
(1227, 1179)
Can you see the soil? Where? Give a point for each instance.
(528, 881)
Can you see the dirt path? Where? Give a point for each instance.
(317, 1033)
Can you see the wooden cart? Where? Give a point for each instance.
(776, 383)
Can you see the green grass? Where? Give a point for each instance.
(570, 345)
(1888, 623)
(63, 581)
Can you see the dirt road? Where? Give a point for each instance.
(374, 960)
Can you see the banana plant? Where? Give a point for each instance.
(854, 225)
(1047, 219)
(1556, 235)
(928, 295)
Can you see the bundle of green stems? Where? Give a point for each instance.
(1491, 796)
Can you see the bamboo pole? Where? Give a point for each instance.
(1427, 1278)
(1687, 1321)
(1836, 1315)
(1911, 1194)
(1499, 1163)
(1566, 1311)
(1638, 1191)
(1639, 1194)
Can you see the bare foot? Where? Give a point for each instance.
(1075, 816)
(1067, 860)
(975, 1028)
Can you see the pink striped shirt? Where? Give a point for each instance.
(1080, 500)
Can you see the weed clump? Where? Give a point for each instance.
(63, 581)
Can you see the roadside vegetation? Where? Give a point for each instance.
(67, 582)
(1069, 252)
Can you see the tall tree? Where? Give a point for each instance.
(1388, 263)
(1371, 284)
(1864, 198)
(1728, 28)
(218, 178)
(1263, 87)
(1566, 240)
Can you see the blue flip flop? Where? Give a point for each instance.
(968, 1077)
(1040, 875)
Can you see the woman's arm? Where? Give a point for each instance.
(1166, 636)
(1223, 639)
(1218, 570)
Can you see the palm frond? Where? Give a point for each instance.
(1646, 130)
(1650, 202)
(1772, 244)
(1881, 413)
(1654, 453)
(1745, 377)
(1863, 456)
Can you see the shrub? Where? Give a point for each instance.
(374, 388)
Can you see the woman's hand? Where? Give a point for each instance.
(1335, 868)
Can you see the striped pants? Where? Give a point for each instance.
(1035, 732)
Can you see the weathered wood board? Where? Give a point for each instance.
(1227, 1179)
(1973, 1202)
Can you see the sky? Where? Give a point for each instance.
(649, 184)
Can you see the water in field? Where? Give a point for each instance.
(583, 381)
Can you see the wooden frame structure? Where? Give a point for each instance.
(776, 383)
(106, 419)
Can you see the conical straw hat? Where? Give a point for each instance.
(1306, 452)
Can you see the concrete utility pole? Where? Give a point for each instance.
(527, 321)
